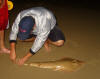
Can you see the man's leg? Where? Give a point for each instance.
(57, 43)
(2, 45)
(56, 37)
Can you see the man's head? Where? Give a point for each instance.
(25, 27)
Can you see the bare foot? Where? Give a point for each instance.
(46, 45)
(5, 50)
(48, 49)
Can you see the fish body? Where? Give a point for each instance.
(65, 64)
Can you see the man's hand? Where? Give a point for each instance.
(24, 59)
(20, 61)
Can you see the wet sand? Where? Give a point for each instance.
(81, 28)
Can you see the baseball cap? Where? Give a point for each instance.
(25, 27)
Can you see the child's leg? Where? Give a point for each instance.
(2, 45)
(2, 3)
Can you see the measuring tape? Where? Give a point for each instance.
(10, 5)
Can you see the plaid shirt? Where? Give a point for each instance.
(45, 22)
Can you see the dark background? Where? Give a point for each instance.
(79, 3)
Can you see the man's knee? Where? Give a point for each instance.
(60, 43)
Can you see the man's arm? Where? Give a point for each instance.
(12, 51)
(13, 36)
(42, 34)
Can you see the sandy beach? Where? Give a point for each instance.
(81, 27)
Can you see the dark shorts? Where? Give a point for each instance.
(55, 35)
